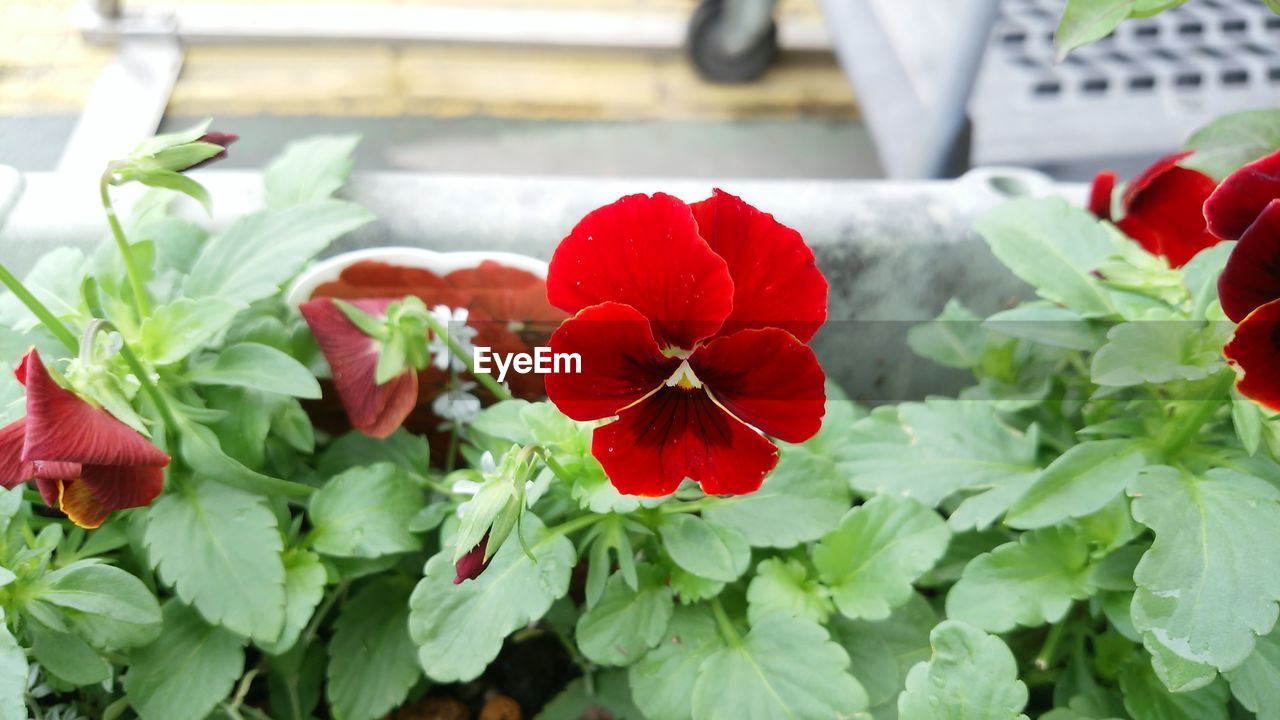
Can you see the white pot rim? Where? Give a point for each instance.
(440, 263)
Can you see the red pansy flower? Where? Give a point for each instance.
(1162, 208)
(84, 461)
(374, 409)
(691, 323)
(1246, 207)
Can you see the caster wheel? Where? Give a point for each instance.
(711, 60)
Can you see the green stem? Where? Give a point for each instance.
(37, 308)
(723, 622)
(149, 387)
(1044, 659)
(140, 300)
(574, 525)
(1204, 411)
(484, 379)
(556, 468)
(691, 506)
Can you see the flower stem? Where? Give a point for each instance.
(140, 300)
(484, 379)
(1204, 411)
(723, 622)
(1044, 659)
(149, 387)
(691, 506)
(575, 525)
(37, 308)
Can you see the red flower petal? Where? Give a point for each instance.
(1147, 177)
(775, 280)
(470, 566)
(621, 362)
(1253, 350)
(62, 427)
(376, 410)
(677, 433)
(1164, 211)
(1104, 184)
(1242, 197)
(644, 252)
(13, 471)
(1251, 277)
(766, 378)
(103, 489)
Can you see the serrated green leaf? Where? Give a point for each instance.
(304, 581)
(782, 585)
(220, 550)
(970, 676)
(459, 629)
(186, 671)
(625, 623)
(372, 662)
(1046, 324)
(879, 549)
(1206, 588)
(1079, 482)
(1256, 683)
(881, 652)
(1146, 698)
(1027, 582)
(1155, 351)
(800, 501)
(955, 338)
(258, 367)
(662, 681)
(784, 668)
(705, 548)
(1231, 141)
(309, 169)
(365, 512)
(178, 329)
(262, 250)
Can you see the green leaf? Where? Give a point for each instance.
(784, 668)
(881, 652)
(1207, 587)
(258, 367)
(609, 697)
(1055, 247)
(704, 548)
(800, 501)
(880, 548)
(355, 449)
(304, 581)
(372, 662)
(1147, 699)
(1087, 21)
(176, 181)
(178, 329)
(1155, 351)
(459, 629)
(936, 449)
(782, 585)
(199, 447)
(1046, 324)
(970, 676)
(13, 677)
(365, 512)
(309, 169)
(55, 281)
(955, 338)
(1248, 420)
(1080, 482)
(220, 550)
(262, 250)
(1027, 582)
(1256, 683)
(662, 681)
(67, 657)
(186, 671)
(103, 604)
(1231, 141)
(625, 623)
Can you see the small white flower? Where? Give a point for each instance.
(488, 466)
(457, 403)
(454, 321)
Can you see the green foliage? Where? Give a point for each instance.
(1086, 21)
(968, 670)
(372, 662)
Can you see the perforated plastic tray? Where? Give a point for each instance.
(1142, 90)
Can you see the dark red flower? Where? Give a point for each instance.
(470, 566)
(374, 409)
(1162, 208)
(84, 461)
(220, 139)
(691, 323)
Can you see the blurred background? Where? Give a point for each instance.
(625, 88)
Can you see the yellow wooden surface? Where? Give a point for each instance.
(45, 68)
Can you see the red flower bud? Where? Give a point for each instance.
(470, 566)
(220, 139)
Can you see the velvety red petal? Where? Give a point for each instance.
(13, 471)
(376, 410)
(103, 489)
(1166, 214)
(776, 282)
(621, 362)
(677, 433)
(1104, 184)
(644, 251)
(1251, 277)
(1255, 352)
(1152, 174)
(62, 427)
(766, 378)
(470, 566)
(1242, 197)
(50, 490)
